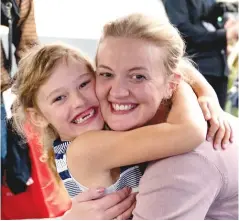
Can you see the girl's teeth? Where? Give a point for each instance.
(83, 119)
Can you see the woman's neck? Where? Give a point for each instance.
(162, 113)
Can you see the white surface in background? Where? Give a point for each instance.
(8, 99)
(3, 30)
(85, 18)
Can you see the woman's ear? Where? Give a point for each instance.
(36, 118)
(173, 83)
(175, 80)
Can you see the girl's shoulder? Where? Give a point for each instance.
(60, 147)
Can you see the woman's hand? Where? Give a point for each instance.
(219, 132)
(92, 204)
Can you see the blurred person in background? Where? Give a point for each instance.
(208, 32)
(18, 17)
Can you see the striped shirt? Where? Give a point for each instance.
(129, 175)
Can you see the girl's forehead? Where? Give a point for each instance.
(71, 63)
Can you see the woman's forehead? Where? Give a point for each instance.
(128, 51)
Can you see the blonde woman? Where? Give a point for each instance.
(137, 56)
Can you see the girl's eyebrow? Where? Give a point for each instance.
(57, 90)
(54, 92)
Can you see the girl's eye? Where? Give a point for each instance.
(84, 84)
(59, 98)
(139, 77)
(106, 75)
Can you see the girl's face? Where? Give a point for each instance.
(130, 82)
(68, 101)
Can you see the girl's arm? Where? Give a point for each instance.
(104, 150)
(220, 131)
(198, 83)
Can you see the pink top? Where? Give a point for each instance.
(202, 184)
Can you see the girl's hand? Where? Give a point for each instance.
(219, 132)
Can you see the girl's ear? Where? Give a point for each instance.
(36, 118)
(173, 83)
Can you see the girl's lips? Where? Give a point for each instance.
(83, 116)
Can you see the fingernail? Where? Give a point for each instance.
(207, 116)
(224, 145)
(126, 188)
(216, 146)
(129, 189)
(100, 190)
(209, 139)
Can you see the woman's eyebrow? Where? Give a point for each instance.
(138, 68)
(104, 66)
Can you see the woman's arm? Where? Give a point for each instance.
(103, 150)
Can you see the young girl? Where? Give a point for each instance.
(55, 88)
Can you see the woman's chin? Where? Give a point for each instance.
(122, 126)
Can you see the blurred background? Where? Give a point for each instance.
(79, 22)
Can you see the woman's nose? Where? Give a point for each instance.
(119, 89)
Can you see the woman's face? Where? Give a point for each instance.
(130, 81)
(68, 101)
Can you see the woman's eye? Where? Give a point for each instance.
(84, 84)
(59, 98)
(139, 77)
(106, 75)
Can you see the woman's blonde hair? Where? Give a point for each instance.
(159, 32)
(33, 71)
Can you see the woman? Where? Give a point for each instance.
(197, 185)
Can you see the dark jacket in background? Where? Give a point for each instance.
(206, 48)
(18, 163)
